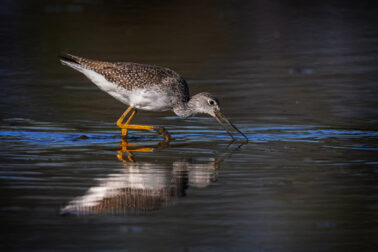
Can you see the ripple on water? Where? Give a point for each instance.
(65, 136)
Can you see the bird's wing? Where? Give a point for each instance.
(125, 74)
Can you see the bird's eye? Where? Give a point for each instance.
(211, 102)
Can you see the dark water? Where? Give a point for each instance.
(299, 79)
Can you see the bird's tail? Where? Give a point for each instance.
(72, 61)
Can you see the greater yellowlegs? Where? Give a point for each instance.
(147, 87)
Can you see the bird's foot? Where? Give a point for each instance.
(162, 131)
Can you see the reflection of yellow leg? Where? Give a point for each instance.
(126, 148)
(125, 126)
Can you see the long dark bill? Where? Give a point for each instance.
(219, 115)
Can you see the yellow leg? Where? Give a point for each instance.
(125, 126)
(160, 130)
(124, 130)
(120, 120)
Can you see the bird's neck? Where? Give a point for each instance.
(186, 109)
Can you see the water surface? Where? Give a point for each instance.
(299, 79)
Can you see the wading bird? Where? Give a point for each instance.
(147, 87)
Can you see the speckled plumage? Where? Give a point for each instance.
(131, 76)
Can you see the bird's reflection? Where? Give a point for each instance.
(143, 186)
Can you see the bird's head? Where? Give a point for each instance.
(206, 103)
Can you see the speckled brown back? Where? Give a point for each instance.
(133, 75)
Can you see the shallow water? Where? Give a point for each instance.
(298, 79)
